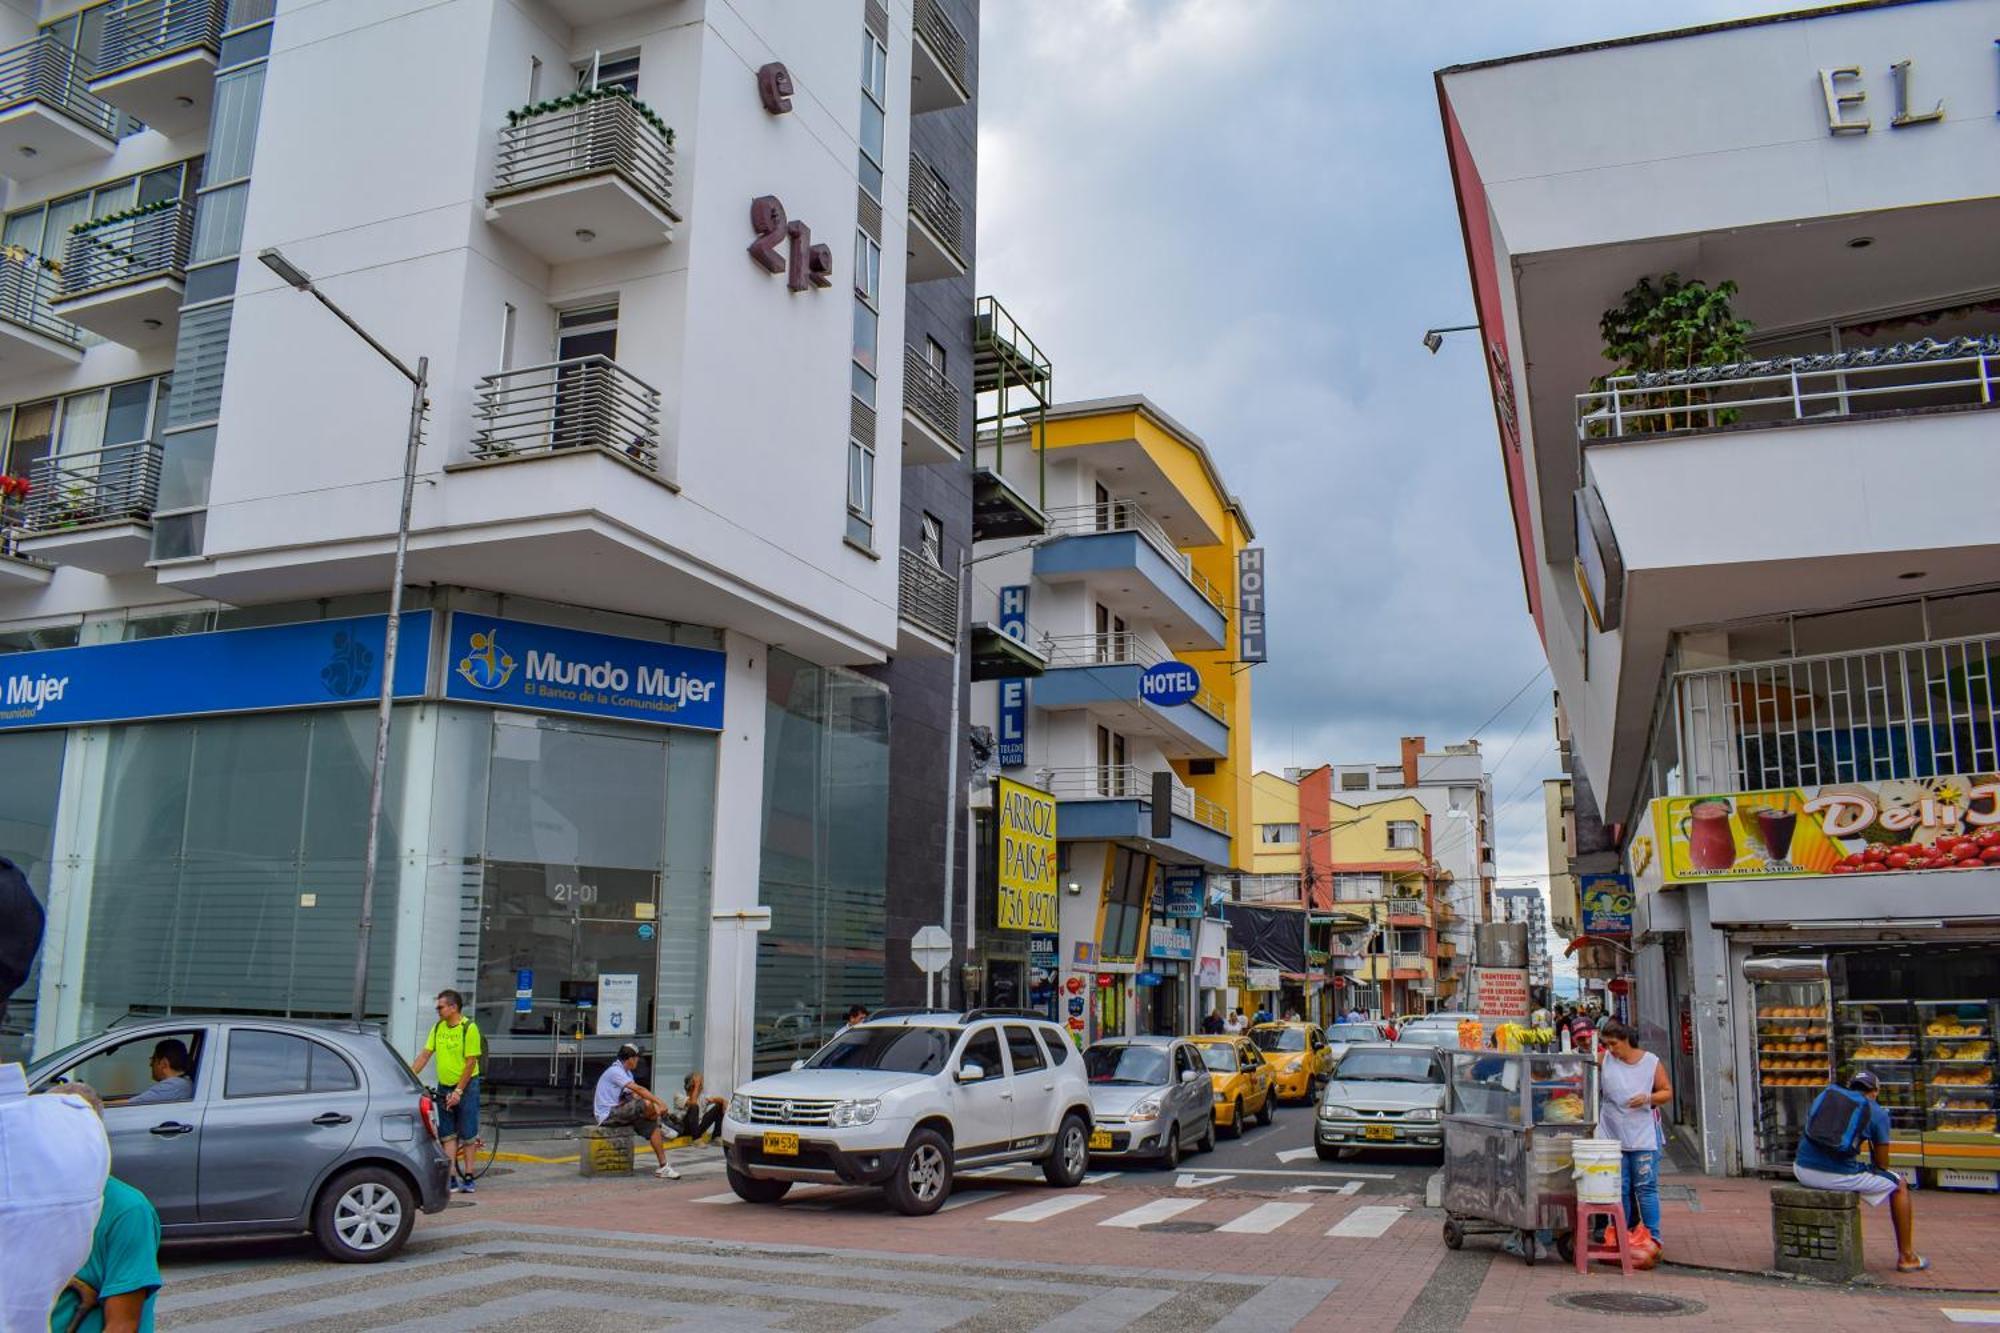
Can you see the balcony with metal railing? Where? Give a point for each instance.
(583, 175)
(940, 61)
(931, 405)
(16, 570)
(927, 607)
(1910, 712)
(94, 508)
(123, 276)
(587, 403)
(49, 118)
(1100, 674)
(937, 225)
(1013, 389)
(1115, 802)
(32, 336)
(1131, 566)
(158, 58)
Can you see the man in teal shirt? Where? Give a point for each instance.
(115, 1287)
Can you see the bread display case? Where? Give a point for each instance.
(1962, 1121)
(1792, 1029)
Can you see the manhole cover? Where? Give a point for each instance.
(1628, 1302)
(1179, 1228)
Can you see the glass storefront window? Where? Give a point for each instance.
(30, 782)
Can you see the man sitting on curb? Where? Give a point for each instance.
(622, 1103)
(1840, 1121)
(695, 1114)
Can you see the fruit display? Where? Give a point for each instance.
(1951, 852)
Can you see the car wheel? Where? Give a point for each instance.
(1235, 1129)
(1269, 1110)
(750, 1189)
(364, 1216)
(1326, 1154)
(1207, 1140)
(1069, 1159)
(1170, 1156)
(923, 1178)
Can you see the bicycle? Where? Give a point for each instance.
(484, 1152)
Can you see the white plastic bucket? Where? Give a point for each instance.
(1598, 1163)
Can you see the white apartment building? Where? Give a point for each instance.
(1527, 907)
(1775, 570)
(654, 254)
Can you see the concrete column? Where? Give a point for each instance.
(58, 1003)
(739, 838)
(1710, 972)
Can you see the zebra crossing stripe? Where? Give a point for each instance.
(1264, 1218)
(968, 1198)
(1051, 1207)
(1159, 1210)
(1368, 1221)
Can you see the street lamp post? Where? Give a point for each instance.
(419, 383)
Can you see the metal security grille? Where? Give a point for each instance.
(142, 30)
(930, 395)
(927, 596)
(932, 203)
(77, 490)
(48, 71)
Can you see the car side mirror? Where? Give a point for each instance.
(970, 1072)
(1189, 1075)
(797, 1065)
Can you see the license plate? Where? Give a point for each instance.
(781, 1145)
(1378, 1132)
(1100, 1140)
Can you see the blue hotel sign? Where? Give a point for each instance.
(520, 664)
(1013, 718)
(319, 662)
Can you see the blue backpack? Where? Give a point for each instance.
(1838, 1121)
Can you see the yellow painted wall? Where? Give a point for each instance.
(1366, 841)
(1273, 801)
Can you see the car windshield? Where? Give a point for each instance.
(1353, 1032)
(1388, 1067)
(1125, 1064)
(1440, 1037)
(1219, 1057)
(1279, 1039)
(895, 1050)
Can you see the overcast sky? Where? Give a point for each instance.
(1242, 209)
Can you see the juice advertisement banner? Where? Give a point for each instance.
(1941, 823)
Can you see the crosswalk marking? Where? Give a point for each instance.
(1099, 1177)
(1368, 1221)
(1264, 1218)
(968, 1197)
(1159, 1210)
(1053, 1206)
(719, 1198)
(1971, 1314)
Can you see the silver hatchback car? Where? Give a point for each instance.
(279, 1126)
(1149, 1097)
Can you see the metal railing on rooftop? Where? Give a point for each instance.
(1130, 516)
(1126, 782)
(140, 30)
(105, 254)
(117, 484)
(27, 286)
(1913, 376)
(932, 201)
(938, 32)
(927, 596)
(605, 133)
(586, 402)
(929, 393)
(1914, 711)
(49, 71)
(1123, 648)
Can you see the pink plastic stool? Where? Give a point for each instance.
(1614, 1233)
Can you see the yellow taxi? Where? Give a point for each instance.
(1301, 1062)
(1242, 1081)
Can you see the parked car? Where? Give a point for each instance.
(1436, 1036)
(1241, 1082)
(907, 1100)
(1298, 1056)
(1340, 1036)
(1383, 1096)
(289, 1126)
(1150, 1097)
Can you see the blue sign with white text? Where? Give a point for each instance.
(1168, 684)
(520, 664)
(317, 662)
(1183, 887)
(1013, 718)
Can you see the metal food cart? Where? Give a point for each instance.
(1507, 1133)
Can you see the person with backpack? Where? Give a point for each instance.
(1829, 1158)
(455, 1043)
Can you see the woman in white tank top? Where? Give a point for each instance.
(1631, 1087)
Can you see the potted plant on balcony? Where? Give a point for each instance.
(1672, 324)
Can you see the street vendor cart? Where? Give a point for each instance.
(1509, 1122)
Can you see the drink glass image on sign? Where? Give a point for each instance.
(1711, 841)
(1774, 828)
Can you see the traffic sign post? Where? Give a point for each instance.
(930, 950)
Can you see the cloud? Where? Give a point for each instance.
(1242, 208)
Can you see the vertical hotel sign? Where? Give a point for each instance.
(1251, 645)
(1027, 858)
(1013, 717)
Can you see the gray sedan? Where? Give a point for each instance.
(1149, 1097)
(278, 1126)
(1383, 1097)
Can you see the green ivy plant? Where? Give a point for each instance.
(1671, 324)
(124, 215)
(584, 97)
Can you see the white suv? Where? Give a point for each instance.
(906, 1099)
